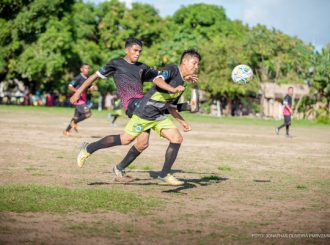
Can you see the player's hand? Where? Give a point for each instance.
(179, 88)
(186, 126)
(94, 88)
(191, 78)
(74, 98)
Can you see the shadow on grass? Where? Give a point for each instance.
(189, 183)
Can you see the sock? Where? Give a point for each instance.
(69, 126)
(287, 129)
(132, 154)
(281, 126)
(108, 141)
(170, 156)
(114, 119)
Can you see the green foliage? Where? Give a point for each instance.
(44, 42)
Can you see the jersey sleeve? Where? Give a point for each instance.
(149, 74)
(286, 100)
(107, 70)
(74, 83)
(167, 73)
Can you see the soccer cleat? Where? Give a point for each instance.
(277, 131)
(66, 133)
(121, 175)
(169, 180)
(82, 155)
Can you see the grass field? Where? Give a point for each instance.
(243, 183)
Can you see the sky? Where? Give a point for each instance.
(306, 19)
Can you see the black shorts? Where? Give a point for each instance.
(132, 106)
(287, 120)
(82, 109)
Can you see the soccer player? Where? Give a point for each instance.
(129, 75)
(287, 112)
(151, 114)
(81, 111)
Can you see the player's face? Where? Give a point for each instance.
(133, 53)
(85, 70)
(191, 64)
(290, 91)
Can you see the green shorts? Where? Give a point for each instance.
(137, 125)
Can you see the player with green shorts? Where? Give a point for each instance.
(150, 113)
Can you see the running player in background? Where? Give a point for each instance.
(82, 111)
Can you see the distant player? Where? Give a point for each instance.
(287, 112)
(116, 109)
(151, 114)
(82, 111)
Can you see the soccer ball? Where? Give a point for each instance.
(241, 74)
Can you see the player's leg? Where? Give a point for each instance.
(72, 123)
(141, 144)
(106, 142)
(277, 129)
(84, 113)
(287, 120)
(139, 128)
(168, 130)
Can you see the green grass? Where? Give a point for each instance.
(301, 187)
(37, 198)
(193, 117)
(224, 167)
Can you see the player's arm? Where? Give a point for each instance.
(72, 88)
(175, 113)
(75, 97)
(286, 105)
(289, 108)
(161, 83)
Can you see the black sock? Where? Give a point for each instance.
(170, 156)
(281, 126)
(69, 126)
(287, 129)
(114, 118)
(132, 154)
(108, 141)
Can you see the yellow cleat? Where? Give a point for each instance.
(170, 180)
(83, 155)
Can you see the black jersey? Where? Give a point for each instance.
(128, 77)
(154, 105)
(288, 100)
(76, 83)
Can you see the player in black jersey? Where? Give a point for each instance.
(150, 113)
(129, 75)
(81, 111)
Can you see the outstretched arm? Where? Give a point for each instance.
(75, 97)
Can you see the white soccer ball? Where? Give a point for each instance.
(241, 74)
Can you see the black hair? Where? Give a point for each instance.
(131, 41)
(190, 52)
(84, 64)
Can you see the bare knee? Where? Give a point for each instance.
(88, 114)
(141, 146)
(177, 139)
